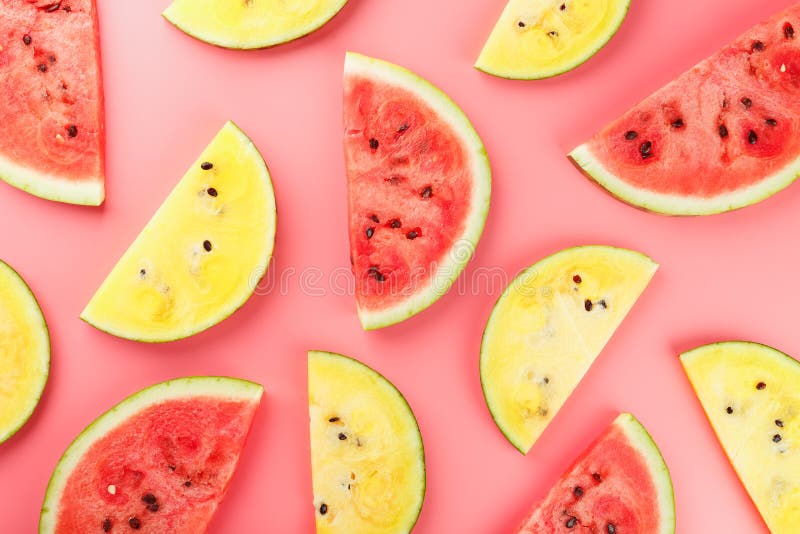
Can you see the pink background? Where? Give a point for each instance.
(722, 277)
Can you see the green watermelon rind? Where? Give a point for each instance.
(35, 310)
(464, 247)
(579, 60)
(273, 40)
(89, 192)
(403, 402)
(180, 388)
(667, 204)
(254, 276)
(519, 280)
(642, 441)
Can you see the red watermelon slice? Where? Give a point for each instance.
(723, 135)
(51, 99)
(159, 462)
(418, 184)
(620, 485)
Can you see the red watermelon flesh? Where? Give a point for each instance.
(417, 187)
(723, 135)
(165, 469)
(619, 485)
(51, 99)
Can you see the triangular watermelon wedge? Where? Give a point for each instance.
(721, 136)
(51, 100)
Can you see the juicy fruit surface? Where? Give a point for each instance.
(252, 23)
(367, 457)
(547, 329)
(24, 352)
(751, 395)
(620, 484)
(52, 102)
(418, 186)
(541, 38)
(729, 125)
(202, 254)
(161, 467)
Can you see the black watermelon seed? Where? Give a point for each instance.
(588, 305)
(333, 419)
(578, 491)
(149, 498)
(188, 483)
(596, 477)
(778, 423)
(26, 39)
(370, 232)
(142, 273)
(678, 123)
(427, 192)
(135, 523)
(152, 507)
(630, 135)
(211, 192)
(342, 437)
(373, 144)
(521, 24)
(761, 386)
(646, 149)
(206, 165)
(413, 234)
(375, 273)
(611, 529)
(72, 130)
(603, 304)
(51, 59)
(42, 67)
(552, 33)
(788, 31)
(777, 438)
(207, 245)
(571, 522)
(729, 410)
(752, 138)
(723, 131)
(52, 7)
(771, 122)
(395, 223)
(577, 279)
(403, 128)
(171, 467)
(758, 46)
(106, 524)
(374, 218)
(746, 102)
(323, 509)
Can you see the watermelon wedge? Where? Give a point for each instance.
(24, 352)
(367, 458)
(619, 485)
(51, 100)
(547, 329)
(419, 184)
(721, 136)
(751, 395)
(160, 461)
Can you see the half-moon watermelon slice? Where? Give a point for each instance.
(620, 485)
(419, 184)
(722, 136)
(158, 462)
(51, 100)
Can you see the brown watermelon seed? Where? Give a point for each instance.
(206, 165)
(630, 135)
(51, 59)
(521, 24)
(149, 498)
(373, 144)
(758, 46)
(678, 123)
(26, 39)
(323, 509)
(577, 279)
(370, 232)
(752, 138)
(395, 223)
(72, 130)
(403, 128)
(603, 304)
(578, 492)
(771, 122)
(42, 67)
(142, 273)
(107, 524)
(596, 477)
(552, 33)
(777, 438)
(788, 31)
(333, 420)
(779, 423)
(374, 218)
(413, 234)
(562, 7)
(342, 436)
(729, 410)
(723, 131)
(646, 149)
(427, 192)
(746, 102)
(761, 386)
(135, 523)
(611, 529)
(207, 245)
(571, 522)
(546, 380)
(588, 305)
(211, 192)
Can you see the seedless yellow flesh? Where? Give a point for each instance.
(547, 329)
(24, 352)
(541, 38)
(201, 255)
(367, 457)
(250, 23)
(751, 395)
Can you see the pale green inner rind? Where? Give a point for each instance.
(35, 316)
(182, 388)
(658, 469)
(87, 192)
(669, 204)
(464, 247)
